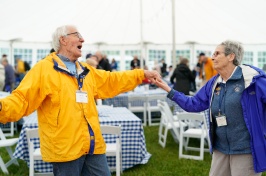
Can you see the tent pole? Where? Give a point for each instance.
(141, 36)
(173, 31)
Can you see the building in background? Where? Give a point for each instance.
(33, 52)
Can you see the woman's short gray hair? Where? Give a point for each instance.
(59, 32)
(234, 47)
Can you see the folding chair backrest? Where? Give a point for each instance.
(137, 103)
(108, 129)
(2, 136)
(164, 117)
(136, 98)
(114, 130)
(194, 120)
(153, 97)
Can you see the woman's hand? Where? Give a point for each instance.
(160, 83)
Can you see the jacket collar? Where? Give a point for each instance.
(249, 73)
(61, 67)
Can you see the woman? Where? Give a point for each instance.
(183, 77)
(237, 101)
(114, 65)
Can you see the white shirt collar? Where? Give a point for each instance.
(220, 79)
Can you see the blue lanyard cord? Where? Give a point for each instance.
(92, 140)
(80, 81)
(82, 76)
(221, 99)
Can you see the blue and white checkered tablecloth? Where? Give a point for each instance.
(133, 140)
(122, 101)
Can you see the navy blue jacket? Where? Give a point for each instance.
(253, 103)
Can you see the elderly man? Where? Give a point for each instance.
(63, 92)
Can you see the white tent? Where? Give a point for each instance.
(118, 21)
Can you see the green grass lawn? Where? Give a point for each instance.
(163, 162)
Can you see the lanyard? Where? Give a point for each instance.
(80, 80)
(221, 99)
(82, 76)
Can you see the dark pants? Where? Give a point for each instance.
(86, 165)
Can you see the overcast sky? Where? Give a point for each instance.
(118, 21)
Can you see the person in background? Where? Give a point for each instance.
(52, 50)
(92, 62)
(236, 98)
(183, 77)
(207, 69)
(103, 63)
(163, 68)
(62, 90)
(2, 74)
(135, 63)
(20, 69)
(114, 65)
(169, 73)
(9, 76)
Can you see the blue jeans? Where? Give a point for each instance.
(86, 165)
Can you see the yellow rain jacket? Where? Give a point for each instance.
(63, 123)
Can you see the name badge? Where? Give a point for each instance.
(81, 97)
(221, 121)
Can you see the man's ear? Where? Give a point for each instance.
(63, 40)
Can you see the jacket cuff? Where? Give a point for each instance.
(171, 94)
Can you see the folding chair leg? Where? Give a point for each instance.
(3, 166)
(13, 160)
(181, 146)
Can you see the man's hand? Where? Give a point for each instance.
(152, 75)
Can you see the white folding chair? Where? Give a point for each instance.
(196, 128)
(168, 122)
(7, 143)
(8, 129)
(152, 106)
(34, 153)
(137, 103)
(114, 149)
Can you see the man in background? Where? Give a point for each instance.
(103, 62)
(207, 70)
(2, 74)
(9, 76)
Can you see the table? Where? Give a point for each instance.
(133, 140)
(121, 100)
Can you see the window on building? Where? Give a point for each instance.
(4, 51)
(207, 53)
(181, 54)
(156, 55)
(261, 59)
(41, 53)
(24, 54)
(248, 58)
(133, 53)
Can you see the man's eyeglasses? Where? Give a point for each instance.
(216, 53)
(77, 34)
